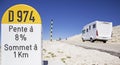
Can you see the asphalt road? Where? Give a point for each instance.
(113, 49)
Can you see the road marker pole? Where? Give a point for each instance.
(21, 36)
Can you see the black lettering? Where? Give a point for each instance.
(11, 16)
(6, 47)
(19, 15)
(10, 27)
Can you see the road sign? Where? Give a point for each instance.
(21, 36)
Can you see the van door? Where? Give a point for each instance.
(104, 29)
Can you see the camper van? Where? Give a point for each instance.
(97, 30)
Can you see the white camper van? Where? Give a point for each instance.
(98, 30)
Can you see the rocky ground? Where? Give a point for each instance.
(115, 35)
(58, 53)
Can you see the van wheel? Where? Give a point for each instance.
(91, 40)
(83, 40)
(104, 41)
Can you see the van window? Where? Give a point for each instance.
(89, 27)
(83, 31)
(87, 30)
(94, 25)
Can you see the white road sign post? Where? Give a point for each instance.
(21, 36)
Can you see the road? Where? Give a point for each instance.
(113, 49)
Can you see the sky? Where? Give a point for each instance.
(69, 16)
